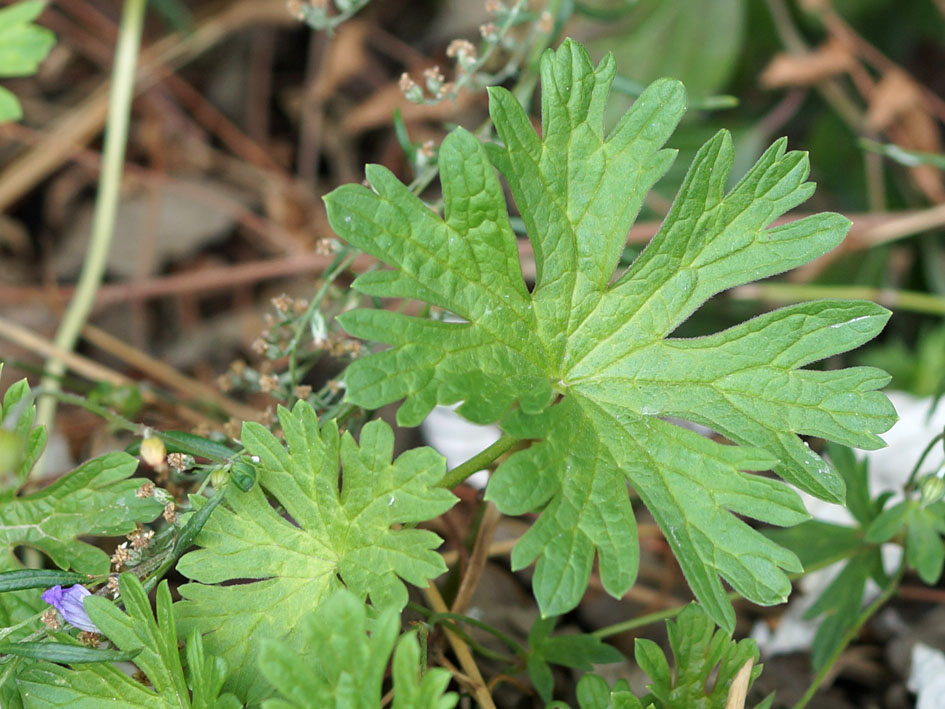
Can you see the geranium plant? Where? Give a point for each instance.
(303, 539)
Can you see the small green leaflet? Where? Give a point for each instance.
(343, 664)
(817, 543)
(20, 443)
(706, 663)
(334, 538)
(593, 693)
(705, 658)
(576, 651)
(603, 345)
(23, 46)
(155, 642)
(924, 527)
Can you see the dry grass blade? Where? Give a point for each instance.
(82, 123)
(738, 692)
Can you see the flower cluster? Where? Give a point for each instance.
(513, 29)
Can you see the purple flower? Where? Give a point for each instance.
(68, 601)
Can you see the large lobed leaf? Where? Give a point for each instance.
(327, 538)
(94, 499)
(603, 346)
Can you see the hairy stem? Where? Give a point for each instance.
(478, 462)
(918, 464)
(666, 613)
(912, 301)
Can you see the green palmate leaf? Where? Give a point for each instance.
(23, 46)
(96, 499)
(328, 538)
(706, 659)
(153, 645)
(603, 345)
(343, 663)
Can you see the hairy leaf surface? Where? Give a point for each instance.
(588, 359)
(327, 538)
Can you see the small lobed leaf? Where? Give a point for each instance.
(593, 693)
(706, 662)
(358, 536)
(925, 550)
(344, 660)
(585, 363)
(10, 109)
(414, 686)
(23, 45)
(18, 414)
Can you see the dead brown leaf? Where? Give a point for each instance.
(346, 57)
(830, 59)
(898, 109)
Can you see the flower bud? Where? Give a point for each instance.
(218, 477)
(412, 91)
(153, 451)
(932, 489)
